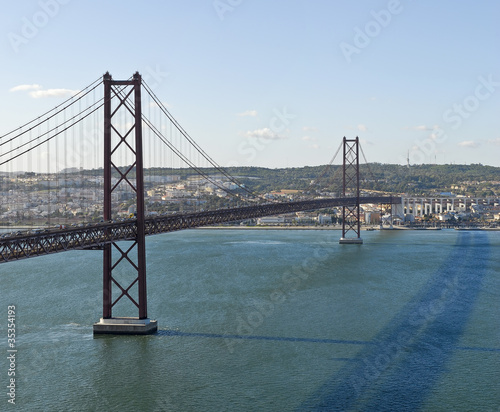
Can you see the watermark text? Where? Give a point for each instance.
(11, 354)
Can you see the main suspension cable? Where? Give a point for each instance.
(197, 147)
(93, 85)
(48, 139)
(328, 166)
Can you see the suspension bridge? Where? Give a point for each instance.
(86, 167)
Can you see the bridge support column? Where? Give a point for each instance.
(438, 207)
(351, 214)
(428, 208)
(123, 98)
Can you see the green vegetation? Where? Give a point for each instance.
(474, 180)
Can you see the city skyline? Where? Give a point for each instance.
(276, 85)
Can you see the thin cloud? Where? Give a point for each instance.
(25, 87)
(309, 139)
(265, 133)
(437, 134)
(468, 143)
(310, 129)
(422, 127)
(251, 113)
(362, 128)
(495, 142)
(53, 93)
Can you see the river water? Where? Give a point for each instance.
(266, 320)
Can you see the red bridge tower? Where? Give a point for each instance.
(350, 214)
(125, 272)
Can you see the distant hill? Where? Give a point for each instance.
(475, 179)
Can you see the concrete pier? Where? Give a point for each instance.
(351, 241)
(125, 326)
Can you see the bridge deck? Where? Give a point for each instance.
(94, 236)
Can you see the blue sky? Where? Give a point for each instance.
(276, 83)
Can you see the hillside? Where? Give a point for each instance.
(474, 180)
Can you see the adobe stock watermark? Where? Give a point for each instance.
(30, 27)
(258, 140)
(89, 143)
(454, 117)
(364, 36)
(290, 282)
(222, 7)
(11, 353)
(63, 338)
(388, 352)
(154, 76)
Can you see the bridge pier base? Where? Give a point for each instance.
(351, 241)
(125, 326)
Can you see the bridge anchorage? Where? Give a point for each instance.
(123, 98)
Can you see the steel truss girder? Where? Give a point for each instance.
(97, 236)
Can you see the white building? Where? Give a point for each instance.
(325, 219)
(230, 185)
(271, 220)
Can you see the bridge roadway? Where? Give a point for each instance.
(94, 236)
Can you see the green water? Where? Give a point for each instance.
(266, 321)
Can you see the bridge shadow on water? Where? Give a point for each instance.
(398, 368)
(410, 354)
(258, 337)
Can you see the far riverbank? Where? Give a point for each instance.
(369, 228)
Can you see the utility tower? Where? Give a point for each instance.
(124, 264)
(350, 214)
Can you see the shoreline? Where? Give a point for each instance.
(366, 228)
(336, 228)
